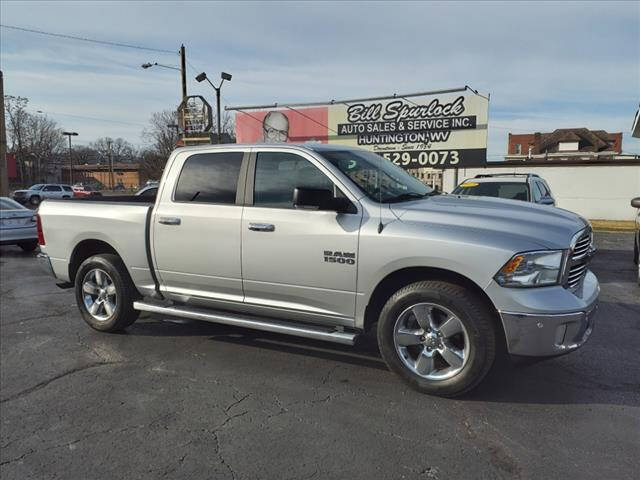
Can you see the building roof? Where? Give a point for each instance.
(568, 158)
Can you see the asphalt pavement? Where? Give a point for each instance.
(184, 399)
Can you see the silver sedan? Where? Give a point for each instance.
(17, 225)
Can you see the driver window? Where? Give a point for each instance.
(278, 174)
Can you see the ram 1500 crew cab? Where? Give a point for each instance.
(328, 242)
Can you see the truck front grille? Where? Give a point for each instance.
(579, 256)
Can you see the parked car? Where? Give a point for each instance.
(84, 191)
(17, 225)
(635, 203)
(527, 187)
(41, 191)
(148, 191)
(329, 242)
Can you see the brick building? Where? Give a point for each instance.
(125, 175)
(569, 140)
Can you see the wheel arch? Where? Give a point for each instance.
(405, 276)
(85, 249)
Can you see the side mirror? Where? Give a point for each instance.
(547, 201)
(320, 199)
(635, 203)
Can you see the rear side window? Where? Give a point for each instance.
(278, 174)
(67, 188)
(209, 178)
(51, 188)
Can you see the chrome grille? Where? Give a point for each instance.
(576, 273)
(581, 249)
(579, 256)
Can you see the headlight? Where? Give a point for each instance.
(531, 269)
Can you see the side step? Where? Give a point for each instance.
(248, 321)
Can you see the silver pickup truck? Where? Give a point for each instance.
(329, 242)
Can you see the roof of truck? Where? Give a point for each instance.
(295, 146)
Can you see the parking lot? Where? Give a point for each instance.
(185, 399)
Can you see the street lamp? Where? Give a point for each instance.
(224, 76)
(182, 69)
(156, 64)
(70, 134)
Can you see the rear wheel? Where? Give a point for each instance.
(34, 200)
(105, 293)
(438, 337)
(29, 246)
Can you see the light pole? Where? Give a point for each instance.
(182, 69)
(224, 76)
(70, 134)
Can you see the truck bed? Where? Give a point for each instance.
(119, 221)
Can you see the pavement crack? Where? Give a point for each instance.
(237, 402)
(17, 459)
(48, 381)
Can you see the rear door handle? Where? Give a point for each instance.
(169, 220)
(262, 227)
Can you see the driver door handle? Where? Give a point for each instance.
(262, 227)
(169, 220)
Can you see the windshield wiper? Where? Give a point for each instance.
(403, 197)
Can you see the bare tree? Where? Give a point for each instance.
(35, 139)
(163, 139)
(116, 149)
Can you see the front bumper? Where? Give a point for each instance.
(541, 335)
(547, 321)
(45, 264)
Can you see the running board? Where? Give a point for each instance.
(248, 321)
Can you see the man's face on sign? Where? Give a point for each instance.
(275, 127)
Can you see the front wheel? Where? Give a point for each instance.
(438, 337)
(105, 293)
(34, 200)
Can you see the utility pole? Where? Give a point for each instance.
(183, 71)
(111, 178)
(70, 134)
(4, 174)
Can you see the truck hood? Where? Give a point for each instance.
(550, 227)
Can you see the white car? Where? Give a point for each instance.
(41, 191)
(17, 225)
(527, 187)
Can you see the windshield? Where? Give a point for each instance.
(8, 204)
(378, 178)
(510, 190)
(37, 186)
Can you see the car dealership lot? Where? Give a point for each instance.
(189, 399)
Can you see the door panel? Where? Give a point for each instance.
(288, 268)
(196, 229)
(200, 255)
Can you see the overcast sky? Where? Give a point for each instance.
(546, 65)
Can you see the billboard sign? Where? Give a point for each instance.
(445, 129)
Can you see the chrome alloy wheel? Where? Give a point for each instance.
(431, 341)
(99, 294)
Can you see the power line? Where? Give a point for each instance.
(89, 118)
(84, 39)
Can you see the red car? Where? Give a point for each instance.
(81, 191)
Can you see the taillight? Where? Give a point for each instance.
(39, 229)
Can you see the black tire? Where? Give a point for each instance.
(29, 246)
(34, 200)
(123, 315)
(474, 315)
